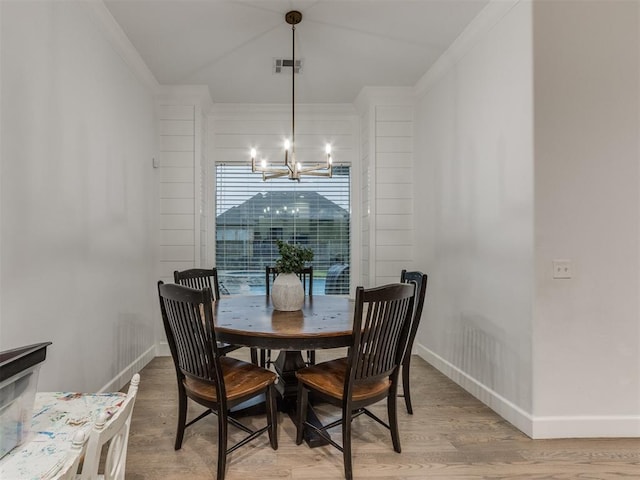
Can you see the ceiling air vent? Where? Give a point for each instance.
(282, 64)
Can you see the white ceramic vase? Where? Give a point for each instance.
(287, 293)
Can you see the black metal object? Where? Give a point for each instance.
(293, 17)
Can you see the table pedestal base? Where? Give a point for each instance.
(286, 364)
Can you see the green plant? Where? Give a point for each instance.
(292, 257)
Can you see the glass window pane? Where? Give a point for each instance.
(251, 215)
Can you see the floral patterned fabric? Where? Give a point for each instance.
(57, 416)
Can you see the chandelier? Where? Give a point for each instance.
(292, 168)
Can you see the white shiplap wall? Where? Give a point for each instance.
(234, 129)
(365, 188)
(201, 194)
(177, 188)
(393, 235)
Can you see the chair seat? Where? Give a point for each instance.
(329, 378)
(240, 378)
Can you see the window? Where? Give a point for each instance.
(251, 215)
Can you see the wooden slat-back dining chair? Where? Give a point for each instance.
(420, 280)
(370, 372)
(306, 277)
(206, 377)
(200, 278)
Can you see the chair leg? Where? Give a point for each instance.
(182, 417)
(405, 384)
(392, 411)
(346, 443)
(263, 358)
(222, 442)
(272, 416)
(311, 357)
(254, 356)
(303, 398)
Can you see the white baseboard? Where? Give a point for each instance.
(536, 427)
(503, 407)
(162, 349)
(591, 426)
(134, 367)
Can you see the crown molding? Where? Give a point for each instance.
(180, 94)
(121, 43)
(478, 28)
(230, 109)
(384, 96)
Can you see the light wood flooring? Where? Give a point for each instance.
(450, 436)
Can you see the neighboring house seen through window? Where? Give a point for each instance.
(251, 215)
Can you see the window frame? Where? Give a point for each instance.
(225, 171)
(349, 157)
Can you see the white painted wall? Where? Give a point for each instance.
(586, 352)
(473, 197)
(78, 197)
(527, 137)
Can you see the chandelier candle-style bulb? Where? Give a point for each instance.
(327, 150)
(253, 159)
(287, 146)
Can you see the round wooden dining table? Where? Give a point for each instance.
(325, 321)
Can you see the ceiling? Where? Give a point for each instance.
(344, 45)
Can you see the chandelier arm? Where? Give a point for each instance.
(316, 173)
(313, 168)
(272, 170)
(270, 175)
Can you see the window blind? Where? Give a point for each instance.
(251, 215)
